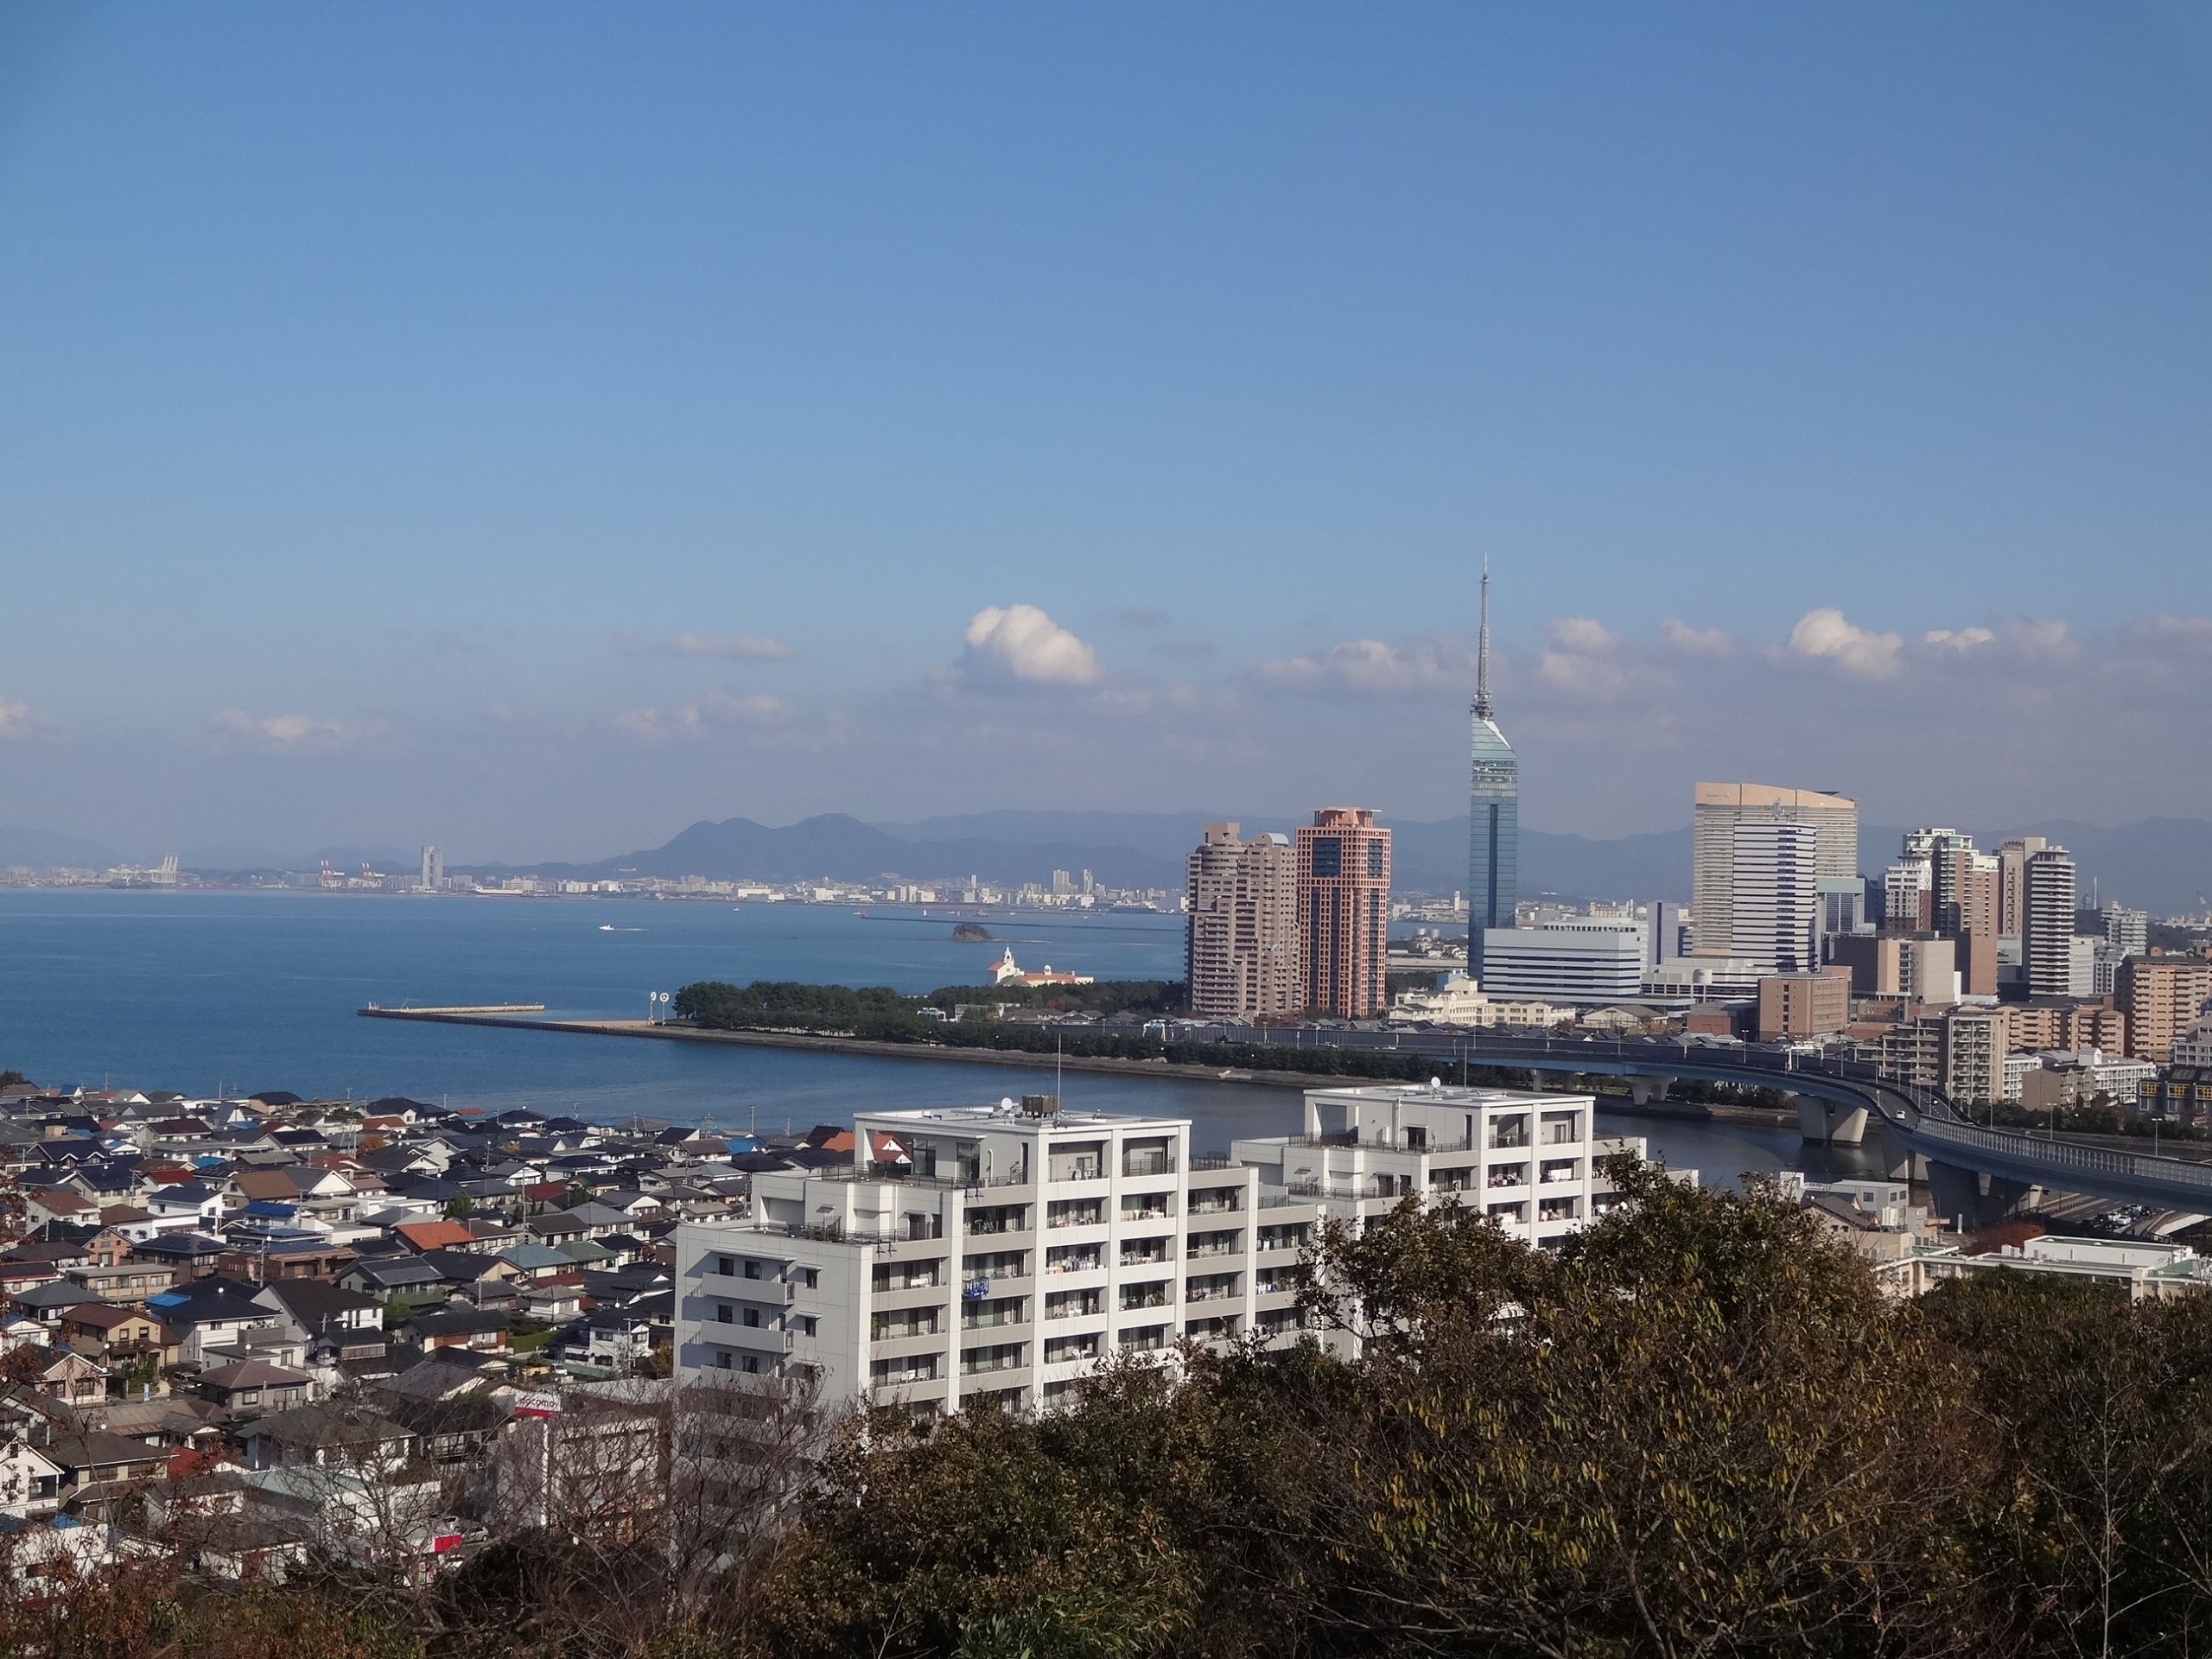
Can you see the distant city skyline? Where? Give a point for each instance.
(728, 411)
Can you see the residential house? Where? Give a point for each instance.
(30, 1481)
(252, 1385)
(329, 1435)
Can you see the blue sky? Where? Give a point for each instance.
(533, 427)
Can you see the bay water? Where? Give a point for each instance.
(243, 991)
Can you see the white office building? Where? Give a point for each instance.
(1775, 894)
(1688, 981)
(2054, 967)
(998, 1253)
(1577, 960)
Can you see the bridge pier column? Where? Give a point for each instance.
(1968, 1199)
(1831, 1122)
(1645, 1090)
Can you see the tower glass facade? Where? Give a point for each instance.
(1493, 811)
(1494, 837)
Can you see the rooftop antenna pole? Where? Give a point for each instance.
(1482, 649)
(1057, 1040)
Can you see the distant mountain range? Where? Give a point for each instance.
(1136, 850)
(2164, 865)
(42, 848)
(2161, 864)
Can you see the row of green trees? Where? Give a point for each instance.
(877, 1011)
(1698, 1429)
(879, 1014)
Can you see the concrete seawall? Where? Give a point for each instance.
(820, 1043)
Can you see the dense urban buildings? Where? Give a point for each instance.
(2160, 998)
(1720, 808)
(1344, 912)
(1241, 938)
(1493, 811)
(999, 1254)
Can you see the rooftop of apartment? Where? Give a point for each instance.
(1018, 1117)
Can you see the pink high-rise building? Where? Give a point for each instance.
(1344, 912)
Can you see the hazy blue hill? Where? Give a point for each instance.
(2162, 865)
(1428, 856)
(42, 847)
(836, 847)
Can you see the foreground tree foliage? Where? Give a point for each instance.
(1699, 1430)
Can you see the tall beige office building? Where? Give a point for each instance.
(1720, 808)
(1240, 954)
(2013, 856)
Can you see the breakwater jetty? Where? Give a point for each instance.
(830, 1043)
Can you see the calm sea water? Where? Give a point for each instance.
(249, 991)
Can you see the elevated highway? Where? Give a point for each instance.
(1974, 1174)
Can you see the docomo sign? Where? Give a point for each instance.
(538, 1405)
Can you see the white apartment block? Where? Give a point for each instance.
(997, 1254)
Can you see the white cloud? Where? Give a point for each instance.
(745, 647)
(1371, 666)
(2045, 638)
(1826, 632)
(1022, 642)
(1961, 640)
(1581, 658)
(290, 734)
(2188, 633)
(1695, 642)
(716, 711)
(15, 719)
(1584, 635)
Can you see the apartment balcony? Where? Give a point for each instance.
(1204, 1252)
(753, 1338)
(893, 1301)
(894, 1346)
(1229, 1204)
(1211, 1294)
(1506, 1142)
(905, 1388)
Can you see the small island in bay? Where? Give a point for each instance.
(971, 933)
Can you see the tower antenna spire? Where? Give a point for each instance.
(1482, 649)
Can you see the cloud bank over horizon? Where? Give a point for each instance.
(2019, 718)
